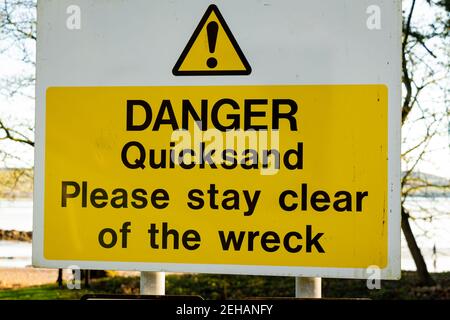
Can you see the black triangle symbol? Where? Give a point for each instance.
(247, 69)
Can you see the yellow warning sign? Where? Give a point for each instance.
(218, 175)
(212, 50)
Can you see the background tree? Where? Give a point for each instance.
(425, 112)
(17, 78)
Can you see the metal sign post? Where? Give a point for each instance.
(153, 283)
(308, 287)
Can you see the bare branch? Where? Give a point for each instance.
(13, 135)
(406, 77)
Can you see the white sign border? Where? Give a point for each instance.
(391, 271)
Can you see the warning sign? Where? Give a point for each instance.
(212, 50)
(237, 173)
(290, 170)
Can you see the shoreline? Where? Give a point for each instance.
(15, 235)
(14, 278)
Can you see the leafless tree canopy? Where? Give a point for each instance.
(17, 40)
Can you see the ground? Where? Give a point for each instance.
(27, 277)
(27, 284)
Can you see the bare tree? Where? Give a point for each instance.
(425, 71)
(17, 42)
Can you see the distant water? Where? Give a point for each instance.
(16, 215)
(430, 232)
(15, 254)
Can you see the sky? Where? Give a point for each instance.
(433, 101)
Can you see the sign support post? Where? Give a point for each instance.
(308, 287)
(153, 283)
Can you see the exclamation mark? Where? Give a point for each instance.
(212, 29)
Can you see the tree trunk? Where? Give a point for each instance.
(87, 279)
(60, 278)
(422, 271)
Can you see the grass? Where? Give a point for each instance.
(112, 285)
(44, 292)
(241, 287)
